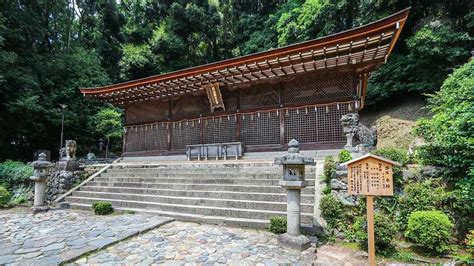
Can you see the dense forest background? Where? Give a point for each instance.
(51, 48)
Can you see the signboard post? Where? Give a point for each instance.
(370, 175)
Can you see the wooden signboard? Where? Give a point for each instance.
(214, 95)
(370, 175)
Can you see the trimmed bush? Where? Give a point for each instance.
(4, 196)
(344, 156)
(332, 211)
(431, 229)
(14, 173)
(428, 195)
(278, 225)
(329, 168)
(385, 231)
(102, 208)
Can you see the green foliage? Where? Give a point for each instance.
(332, 211)
(344, 156)
(329, 168)
(415, 70)
(450, 132)
(4, 196)
(386, 230)
(461, 206)
(421, 196)
(14, 173)
(327, 189)
(108, 122)
(102, 207)
(397, 155)
(278, 225)
(431, 229)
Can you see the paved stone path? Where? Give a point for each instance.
(191, 243)
(60, 235)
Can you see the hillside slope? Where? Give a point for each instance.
(395, 121)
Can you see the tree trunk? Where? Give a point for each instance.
(107, 148)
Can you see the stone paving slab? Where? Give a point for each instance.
(60, 236)
(179, 243)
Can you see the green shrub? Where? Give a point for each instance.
(102, 208)
(394, 154)
(327, 190)
(432, 229)
(344, 156)
(420, 196)
(461, 206)
(448, 133)
(14, 173)
(332, 211)
(385, 231)
(278, 225)
(4, 196)
(329, 168)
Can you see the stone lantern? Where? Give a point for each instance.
(293, 180)
(40, 177)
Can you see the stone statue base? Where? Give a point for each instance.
(38, 209)
(299, 243)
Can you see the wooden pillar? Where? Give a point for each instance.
(238, 122)
(370, 230)
(282, 127)
(201, 126)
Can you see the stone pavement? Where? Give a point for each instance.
(196, 244)
(60, 235)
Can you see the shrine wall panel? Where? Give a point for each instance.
(143, 112)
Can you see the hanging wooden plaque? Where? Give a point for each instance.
(370, 175)
(214, 95)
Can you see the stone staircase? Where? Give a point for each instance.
(238, 193)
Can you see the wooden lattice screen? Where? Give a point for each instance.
(220, 129)
(307, 124)
(262, 128)
(184, 133)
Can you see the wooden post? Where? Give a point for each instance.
(370, 230)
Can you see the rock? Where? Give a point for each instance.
(222, 260)
(345, 198)
(338, 185)
(430, 171)
(361, 255)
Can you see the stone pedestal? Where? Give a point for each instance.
(293, 239)
(293, 180)
(40, 177)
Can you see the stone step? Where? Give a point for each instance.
(201, 187)
(306, 218)
(278, 197)
(215, 170)
(201, 174)
(230, 221)
(210, 202)
(190, 180)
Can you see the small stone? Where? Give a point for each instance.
(32, 255)
(54, 247)
(201, 259)
(202, 241)
(245, 255)
(222, 260)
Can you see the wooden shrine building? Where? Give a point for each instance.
(262, 100)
